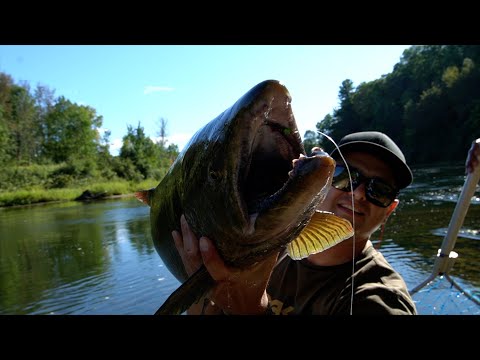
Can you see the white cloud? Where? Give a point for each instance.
(180, 139)
(150, 89)
(115, 146)
(102, 131)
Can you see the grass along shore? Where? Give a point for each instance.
(35, 195)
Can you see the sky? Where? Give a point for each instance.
(190, 85)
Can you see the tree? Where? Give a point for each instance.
(327, 127)
(71, 132)
(4, 157)
(140, 150)
(346, 116)
(162, 132)
(6, 84)
(309, 141)
(44, 104)
(25, 140)
(105, 159)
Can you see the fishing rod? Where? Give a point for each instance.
(446, 256)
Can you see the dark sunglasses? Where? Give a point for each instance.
(377, 191)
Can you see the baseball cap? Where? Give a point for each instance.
(383, 147)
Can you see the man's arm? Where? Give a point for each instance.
(473, 156)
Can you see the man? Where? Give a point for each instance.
(349, 278)
(322, 283)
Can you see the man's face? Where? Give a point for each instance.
(365, 216)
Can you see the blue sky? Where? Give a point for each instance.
(189, 85)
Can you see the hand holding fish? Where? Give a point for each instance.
(187, 247)
(237, 291)
(473, 157)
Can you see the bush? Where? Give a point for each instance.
(24, 177)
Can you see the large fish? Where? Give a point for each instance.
(243, 180)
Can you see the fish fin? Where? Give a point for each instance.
(190, 292)
(324, 230)
(144, 195)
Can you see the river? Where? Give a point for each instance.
(98, 257)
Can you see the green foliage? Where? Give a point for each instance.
(125, 168)
(20, 177)
(23, 130)
(450, 76)
(74, 171)
(142, 153)
(70, 131)
(4, 138)
(38, 195)
(33, 196)
(429, 104)
(49, 146)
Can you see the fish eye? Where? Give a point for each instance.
(214, 175)
(215, 170)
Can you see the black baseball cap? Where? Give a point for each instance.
(380, 145)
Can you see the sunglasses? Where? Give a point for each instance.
(377, 191)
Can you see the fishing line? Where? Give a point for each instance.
(353, 211)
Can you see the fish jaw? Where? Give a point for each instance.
(286, 213)
(306, 187)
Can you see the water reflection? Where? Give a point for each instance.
(80, 258)
(425, 210)
(464, 233)
(98, 257)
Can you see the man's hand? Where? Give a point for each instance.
(187, 246)
(238, 291)
(473, 157)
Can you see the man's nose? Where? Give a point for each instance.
(359, 192)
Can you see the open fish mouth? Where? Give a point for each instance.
(276, 180)
(275, 145)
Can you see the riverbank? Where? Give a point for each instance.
(40, 195)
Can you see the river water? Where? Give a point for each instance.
(98, 257)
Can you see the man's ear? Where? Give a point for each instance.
(392, 207)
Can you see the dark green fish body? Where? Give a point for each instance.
(236, 183)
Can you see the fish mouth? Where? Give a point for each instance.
(274, 143)
(289, 207)
(270, 165)
(267, 160)
(278, 186)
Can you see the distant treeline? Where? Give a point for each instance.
(429, 105)
(51, 142)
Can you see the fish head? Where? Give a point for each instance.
(247, 183)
